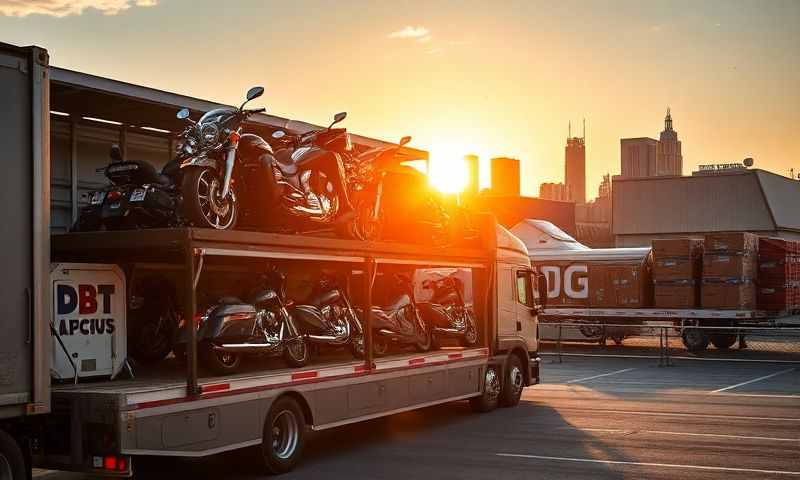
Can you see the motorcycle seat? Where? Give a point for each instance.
(399, 303)
(325, 298)
(285, 163)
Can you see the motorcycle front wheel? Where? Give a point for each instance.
(470, 337)
(367, 226)
(202, 205)
(296, 352)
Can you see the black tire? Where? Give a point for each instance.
(356, 346)
(152, 326)
(470, 337)
(222, 363)
(513, 383)
(199, 183)
(426, 343)
(694, 339)
(296, 353)
(723, 341)
(363, 226)
(283, 436)
(380, 347)
(12, 460)
(490, 397)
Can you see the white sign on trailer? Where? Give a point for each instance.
(89, 330)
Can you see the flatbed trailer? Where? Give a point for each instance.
(167, 412)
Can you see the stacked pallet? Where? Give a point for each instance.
(778, 275)
(729, 271)
(676, 272)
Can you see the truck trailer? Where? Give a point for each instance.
(98, 416)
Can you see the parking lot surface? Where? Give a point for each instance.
(592, 418)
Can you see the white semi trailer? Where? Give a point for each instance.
(102, 425)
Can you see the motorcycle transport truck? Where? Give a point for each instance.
(85, 391)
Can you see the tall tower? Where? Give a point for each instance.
(575, 165)
(669, 158)
(473, 175)
(505, 176)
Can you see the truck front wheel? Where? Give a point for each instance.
(284, 434)
(513, 383)
(12, 462)
(492, 386)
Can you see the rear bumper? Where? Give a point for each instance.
(534, 363)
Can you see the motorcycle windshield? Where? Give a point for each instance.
(216, 115)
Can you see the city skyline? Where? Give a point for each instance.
(459, 80)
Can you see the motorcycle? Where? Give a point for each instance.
(138, 196)
(378, 184)
(263, 326)
(329, 319)
(447, 313)
(399, 321)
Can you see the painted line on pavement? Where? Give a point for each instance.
(679, 414)
(753, 380)
(579, 380)
(650, 464)
(688, 434)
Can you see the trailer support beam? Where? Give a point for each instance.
(369, 275)
(189, 305)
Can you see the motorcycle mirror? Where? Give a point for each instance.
(278, 134)
(405, 140)
(182, 114)
(116, 153)
(254, 92)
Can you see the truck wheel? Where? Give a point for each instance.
(695, 340)
(223, 363)
(492, 385)
(723, 341)
(12, 461)
(284, 434)
(513, 383)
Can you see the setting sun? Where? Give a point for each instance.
(447, 171)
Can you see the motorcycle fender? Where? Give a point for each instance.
(434, 315)
(204, 162)
(227, 323)
(308, 320)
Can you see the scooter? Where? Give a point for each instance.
(447, 313)
(329, 319)
(264, 325)
(399, 321)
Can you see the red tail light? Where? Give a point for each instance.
(114, 195)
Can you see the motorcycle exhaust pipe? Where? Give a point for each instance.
(340, 340)
(449, 331)
(247, 347)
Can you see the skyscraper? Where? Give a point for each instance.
(505, 176)
(575, 166)
(670, 159)
(473, 175)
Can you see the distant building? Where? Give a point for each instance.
(593, 219)
(732, 200)
(555, 191)
(648, 157)
(505, 176)
(473, 175)
(575, 167)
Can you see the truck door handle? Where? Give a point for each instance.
(29, 307)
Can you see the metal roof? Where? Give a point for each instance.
(93, 96)
(747, 200)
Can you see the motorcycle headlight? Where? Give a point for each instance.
(188, 148)
(209, 133)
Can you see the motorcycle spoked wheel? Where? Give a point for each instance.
(426, 343)
(201, 205)
(365, 226)
(470, 337)
(379, 347)
(296, 352)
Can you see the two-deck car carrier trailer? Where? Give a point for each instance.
(172, 408)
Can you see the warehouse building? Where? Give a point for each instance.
(737, 200)
(90, 113)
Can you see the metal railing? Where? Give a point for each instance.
(667, 342)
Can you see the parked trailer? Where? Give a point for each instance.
(25, 296)
(163, 413)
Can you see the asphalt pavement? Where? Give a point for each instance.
(592, 418)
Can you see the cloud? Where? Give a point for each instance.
(435, 51)
(64, 8)
(418, 32)
(425, 39)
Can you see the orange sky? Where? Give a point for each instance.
(472, 77)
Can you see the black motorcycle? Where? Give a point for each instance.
(328, 318)
(138, 196)
(398, 321)
(261, 326)
(447, 313)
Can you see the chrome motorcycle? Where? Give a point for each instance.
(328, 318)
(447, 312)
(138, 196)
(261, 326)
(398, 321)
